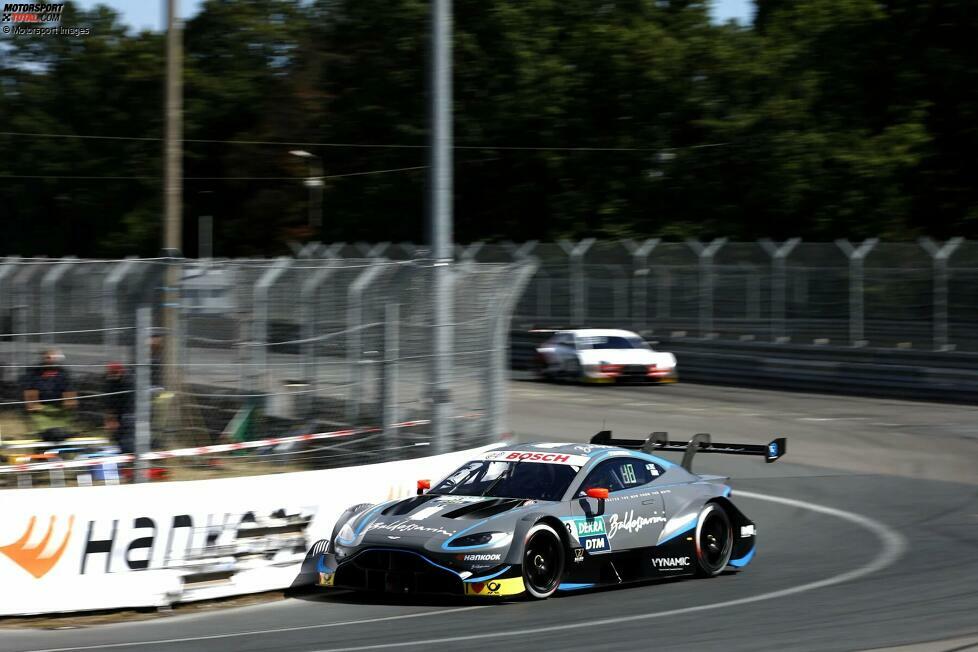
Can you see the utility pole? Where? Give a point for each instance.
(173, 188)
(440, 235)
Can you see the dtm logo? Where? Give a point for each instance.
(772, 449)
(34, 559)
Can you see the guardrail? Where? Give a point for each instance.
(151, 545)
(863, 371)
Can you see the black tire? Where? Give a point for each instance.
(573, 371)
(714, 540)
(543, 561)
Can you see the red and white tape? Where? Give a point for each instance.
(200, 450)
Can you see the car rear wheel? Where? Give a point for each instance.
(714, 540)
(543, 561)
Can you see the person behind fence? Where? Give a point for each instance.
(49, 398)
(119, 406)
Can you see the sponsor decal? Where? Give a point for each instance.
(670, 563)
(578, 555)
(118, 545)
(480, 557)
(494, 588)
(630, 523)
(747, 531)
(583, 527)
(326, 579)
(587, 449)
(405, 526)
(652, 469)
(458, 500)
(590, 533)
(596, 544)
(772, 449)
(550, 445)
(530, 456)
(36, 559)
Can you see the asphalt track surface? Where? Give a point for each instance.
(868, 538)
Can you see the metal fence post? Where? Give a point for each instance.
(110, 305)
(496, 399)
(372, 250)
(309, 311)
(468, 252)
(354, 337)
(640, 280)
(521, 251)
(49, 298)
(575, 254)
(23, 320)
(141, 439)
(779, 283)
(940, 255)
(389, 410)
(706, 254)
(7, 269)
(857, 298)
(259, 323)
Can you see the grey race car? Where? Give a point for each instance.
(538, 518)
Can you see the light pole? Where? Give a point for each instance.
(315, 184)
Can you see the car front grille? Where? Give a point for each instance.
(396, 571)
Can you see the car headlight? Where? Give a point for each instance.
(482, 540)
(346, 534)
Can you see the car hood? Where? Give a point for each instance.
(429, 519)
(627, 356)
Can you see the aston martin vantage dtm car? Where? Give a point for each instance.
(594, 355)
(533, 519)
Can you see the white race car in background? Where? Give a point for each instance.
(599, 355)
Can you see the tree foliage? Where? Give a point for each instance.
(823, 119)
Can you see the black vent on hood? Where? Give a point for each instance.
(406, 506)
(485, 509)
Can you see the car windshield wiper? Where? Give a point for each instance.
(501, 477)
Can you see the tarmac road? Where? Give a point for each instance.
(868, 538)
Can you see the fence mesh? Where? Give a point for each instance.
(284, 364)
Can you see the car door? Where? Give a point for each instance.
(634, 512)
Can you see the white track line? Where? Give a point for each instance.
(212, 637)
(893, 547)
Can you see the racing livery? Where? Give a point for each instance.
(538, 518)
(603, 355)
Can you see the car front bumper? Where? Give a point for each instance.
(408, 572)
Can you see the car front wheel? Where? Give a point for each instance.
(543, 561)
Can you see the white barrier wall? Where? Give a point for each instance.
(75, 549)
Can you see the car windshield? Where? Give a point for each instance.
(536, 480)
(612, 342)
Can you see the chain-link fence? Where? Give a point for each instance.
(284, 364)
(921, 295)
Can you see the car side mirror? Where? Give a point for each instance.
(598, 493)
(423, 486)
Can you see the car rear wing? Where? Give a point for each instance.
(700, 443)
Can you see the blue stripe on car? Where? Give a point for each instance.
(743, 561)
(570, 586)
